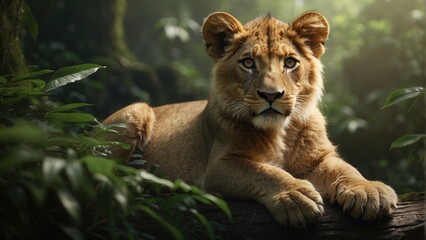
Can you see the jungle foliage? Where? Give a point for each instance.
(58, 181)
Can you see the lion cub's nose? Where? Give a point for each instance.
(270, 97)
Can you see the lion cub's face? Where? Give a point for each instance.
(266, 71)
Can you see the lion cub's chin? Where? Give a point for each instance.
(270, 121)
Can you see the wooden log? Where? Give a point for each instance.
(252, 221)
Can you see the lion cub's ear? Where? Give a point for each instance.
(218, 30)
(314, 27)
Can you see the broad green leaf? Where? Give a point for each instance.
(31, 75)
(407, 140)
(150, 177)
(72, 117)
(70, 204)
(29, 21)
(75, 174)
(121, 196)
(99, 165)
(179, 184)
(403, 94)
(201, 200)
(71, 74)
(70, 106)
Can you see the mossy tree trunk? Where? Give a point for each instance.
(12, 59)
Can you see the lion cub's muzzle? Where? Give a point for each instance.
(270, 97)
(272, 100)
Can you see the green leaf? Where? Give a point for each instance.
(29, 21)
(173, 230)
(121, 196)
(72, 117)
(40, 84)
(102, 129)
(75, 174)
(403, 94)
(99, 165)
(206, 224)
(70, 106)
(71, 74)
(407, 140)
(70, 204)
(218, 201)
(150, 177)
(52, 167)
(179, 184)
(31, 75)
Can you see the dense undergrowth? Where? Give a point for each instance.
(57, 180)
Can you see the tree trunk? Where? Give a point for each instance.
(11, 56)
(252, 221)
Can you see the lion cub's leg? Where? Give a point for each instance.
(292, 202)
(139, 120)
(361, 198)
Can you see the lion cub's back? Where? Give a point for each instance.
(178, 143)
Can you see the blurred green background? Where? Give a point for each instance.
(154, 52)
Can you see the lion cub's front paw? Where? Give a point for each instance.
(298, 207)
(366, 200)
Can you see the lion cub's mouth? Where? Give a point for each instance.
(271, 111)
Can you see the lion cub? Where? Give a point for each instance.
(260, 135)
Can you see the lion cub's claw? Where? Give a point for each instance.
(367, 200)
(298, 207)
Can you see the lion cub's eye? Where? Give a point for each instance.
(290, 62)
(248, 63)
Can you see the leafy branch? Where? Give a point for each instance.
(401, 95)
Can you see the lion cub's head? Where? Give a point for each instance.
(267, 72)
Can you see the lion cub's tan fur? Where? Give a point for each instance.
(260, 135)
